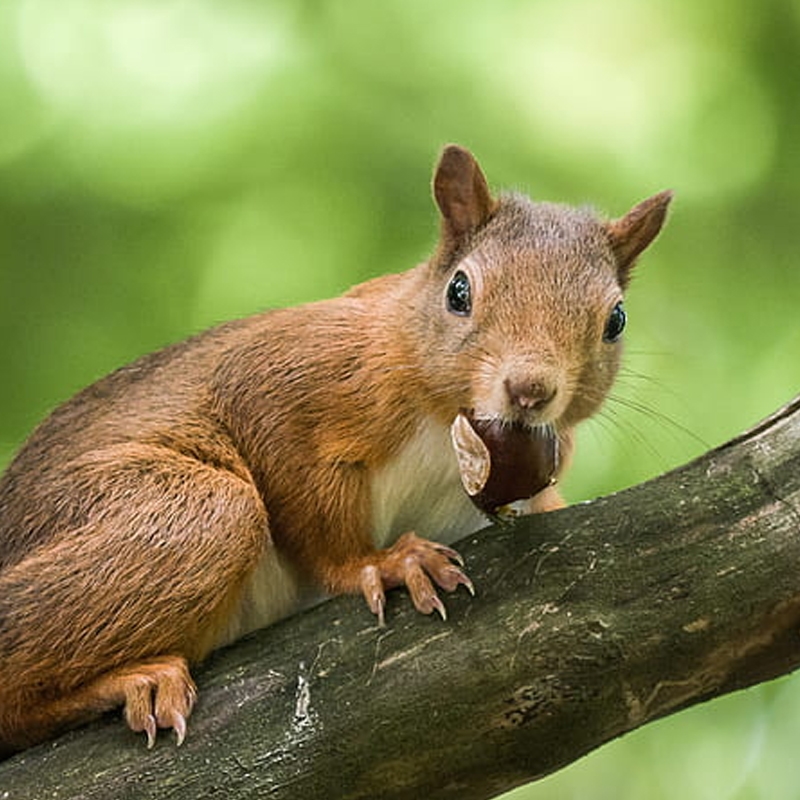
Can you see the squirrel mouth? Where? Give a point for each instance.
(503, 461)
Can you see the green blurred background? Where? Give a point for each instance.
(167, 165)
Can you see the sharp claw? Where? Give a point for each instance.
(377, 604)
(451, 554)
(452, 578)
(380, 614)
(179, 726)
(372, 589)
(438, 606)
(150, 728)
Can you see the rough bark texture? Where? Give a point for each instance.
(587, 623)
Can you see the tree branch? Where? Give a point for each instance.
(587, 623)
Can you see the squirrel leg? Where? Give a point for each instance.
(110, 611)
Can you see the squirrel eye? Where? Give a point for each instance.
(615, 324)
(459, 294)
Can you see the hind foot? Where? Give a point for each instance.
(159, 693)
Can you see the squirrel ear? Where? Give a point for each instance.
(461, 193)
(631, 234)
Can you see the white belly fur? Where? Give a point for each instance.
(418, 490)
(272, 592)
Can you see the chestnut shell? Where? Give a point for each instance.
(523, 461)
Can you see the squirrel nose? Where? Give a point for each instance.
(529, 395)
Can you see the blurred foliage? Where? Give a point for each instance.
(167, 165)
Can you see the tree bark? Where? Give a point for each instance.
(587, 623)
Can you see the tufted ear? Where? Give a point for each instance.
(631, 234)
(462, 195)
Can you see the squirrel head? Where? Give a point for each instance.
(523, 300)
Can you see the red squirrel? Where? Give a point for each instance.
(200, 492)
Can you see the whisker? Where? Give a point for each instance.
(652, 353)
(657, 416)
(631, 432)
(603, 422)
(626, 374)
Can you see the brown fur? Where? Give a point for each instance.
(135, 515)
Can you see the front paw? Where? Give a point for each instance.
(418, 564)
